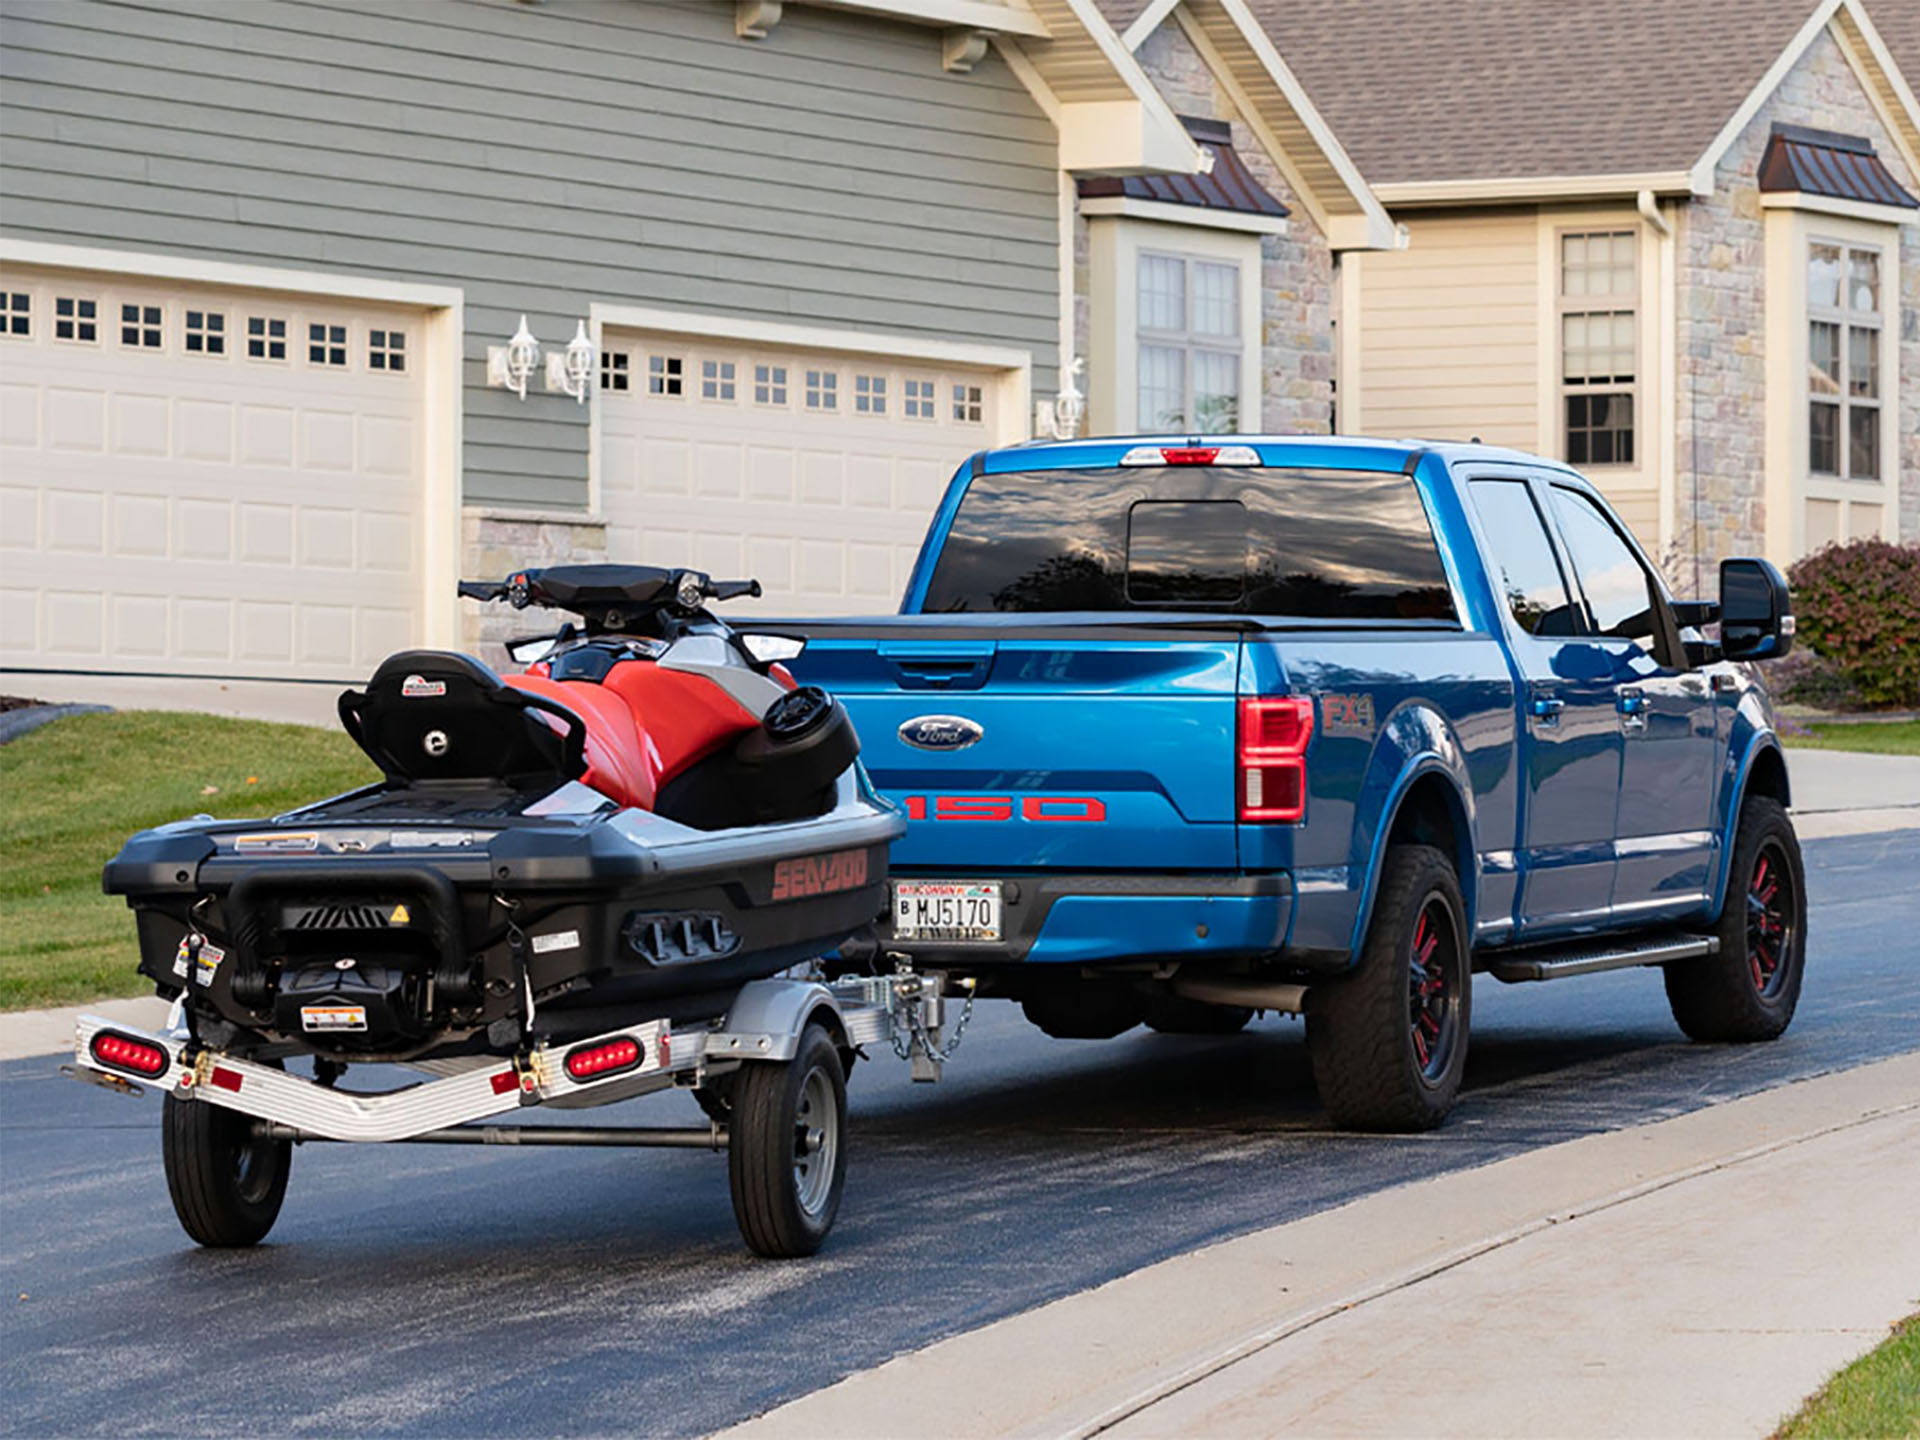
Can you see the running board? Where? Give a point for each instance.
(1590, 960)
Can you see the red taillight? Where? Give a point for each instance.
(123, 1052)
(591, 1062)
(1273, 758)
(1189, 454)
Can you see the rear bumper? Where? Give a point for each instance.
(1096, 919)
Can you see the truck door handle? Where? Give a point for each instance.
(1630, 701)
(1547, 708)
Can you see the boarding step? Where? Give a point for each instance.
(1590, 959)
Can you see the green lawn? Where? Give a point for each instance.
(72, 791)
(1875, 1398)
(1882, 737)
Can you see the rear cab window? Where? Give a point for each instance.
(1311, 543)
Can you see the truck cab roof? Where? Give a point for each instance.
(1338, 451)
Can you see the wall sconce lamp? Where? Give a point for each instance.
(571, 373)
(511, 365)
(1059, 418)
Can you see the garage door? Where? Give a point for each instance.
(206, 481)
(813, 472)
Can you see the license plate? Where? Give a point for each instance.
(946, 910)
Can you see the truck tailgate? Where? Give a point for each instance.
(1143, 781)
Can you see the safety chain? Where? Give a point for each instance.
(917, 1031)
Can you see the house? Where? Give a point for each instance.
(1675, 245)
(258, 265)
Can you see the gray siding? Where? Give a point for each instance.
(542, 157)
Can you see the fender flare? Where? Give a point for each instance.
(1763, 741)
(1439, 753)
(775, 1011)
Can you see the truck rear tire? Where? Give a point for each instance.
(1748, 990)
(227, 1184)
(1389, 1040)
(787, 1150)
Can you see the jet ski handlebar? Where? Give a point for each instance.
(610, 597)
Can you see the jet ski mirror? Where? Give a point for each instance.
(767, 649)
(529, 648)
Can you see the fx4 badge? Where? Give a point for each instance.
(940, 732)
(1346, 714)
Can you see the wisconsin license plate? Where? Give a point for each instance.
(946, 910)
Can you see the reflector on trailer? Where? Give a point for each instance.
(591, 1062)
(1191, 455)
(123, 1052)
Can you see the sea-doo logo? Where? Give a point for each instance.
(819, 874)
(940, 732)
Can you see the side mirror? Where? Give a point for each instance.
(1756, 618)
(530, 648)
(767, 649)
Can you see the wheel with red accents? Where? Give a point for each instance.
(1389, 1039)
(1748, 990)
(226, 1180)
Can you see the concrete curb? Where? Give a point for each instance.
(15, 723)
(1613, 1266)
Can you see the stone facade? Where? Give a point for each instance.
(1722, 321)
(493, 543)
(1296, 290)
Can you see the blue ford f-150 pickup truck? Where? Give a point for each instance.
(1186, 728)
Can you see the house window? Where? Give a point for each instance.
(19, 313)
(613, 370)
(770, 385)
(387, 350)
(823, 390)
(1187, 324)
(966, 403)
(870, 394)
(665, 375)
(75, 319)
(1599, 347)
(716, 379)
(266, 338)
(919, 403)
(327, 345)
(140, 326)
(1843, 361)
(206, 332)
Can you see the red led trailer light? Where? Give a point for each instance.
(123, 1052)
(1191, 455)
(1273, 758)
(610, 1057)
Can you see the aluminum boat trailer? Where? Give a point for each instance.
(770, 1075)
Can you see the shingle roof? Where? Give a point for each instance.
(1228, 186)
(1898, 22)
(1819, 162)
(1423, 91)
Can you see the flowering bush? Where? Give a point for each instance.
(1858, 606)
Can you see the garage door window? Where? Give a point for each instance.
(823, 390)
(613, 370)
(140, 326)
(665, 375)
(387, 350)
(870, 394)
(327, 345)
(19, 313)
(716, 379)
(266, 338)
(206, 332)
(770, 385)
(919, 399)
(966, 403)
(75, 319)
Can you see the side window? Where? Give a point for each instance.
(1618, 588)
(1524, 564)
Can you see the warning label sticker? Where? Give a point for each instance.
(333, 1017)
(558, 940)
(210, 957)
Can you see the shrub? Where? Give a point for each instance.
(1859, 607)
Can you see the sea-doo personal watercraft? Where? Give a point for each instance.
(648, 818)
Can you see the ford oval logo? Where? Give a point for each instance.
(940, 732)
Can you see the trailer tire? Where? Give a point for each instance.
(787, 1148)
(1389, 1040)
(1748, 991)
(227, 1186)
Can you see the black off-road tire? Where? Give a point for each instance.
(227, 1186)
(784, 1197)
(1370, 1070)
(1171, 1014)
(1748, 991)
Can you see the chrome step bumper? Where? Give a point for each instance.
(1591, 959)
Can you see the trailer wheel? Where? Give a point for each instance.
(787, 1152)
(1389, 1040)
(1748, 991)
(227, 1184)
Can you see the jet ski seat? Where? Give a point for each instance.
(438, 715)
